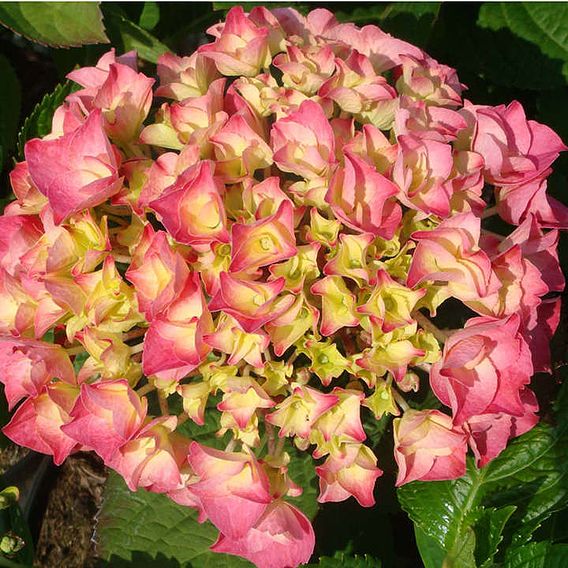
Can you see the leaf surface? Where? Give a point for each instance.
(57, 24)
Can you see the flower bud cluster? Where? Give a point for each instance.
(261, 242)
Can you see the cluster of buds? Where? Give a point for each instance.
(269, 244)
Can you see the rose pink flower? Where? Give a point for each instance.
(483, 369)
(263, 199)
(124, 97)
(164, 172)
(231, 338)
(517, 202)
(192, 208)
(315, 23)
(38, 421)
(540, 329)
(521, 283)
(281, 538)
(415, 117)
(360, 197)
(92, 78)
(29, 201)
(428, 447)
(18, 234)
(515, 150)
(233, 488)
(489, 433)
(306, 68)
(191, 121)
(353, 472)
(426, 79)
(157, 272)
(372, 146)
(174, 342)
(241, 48)
(450, 253)
(541, 249)
(239, 150)
(421, 171)
(242, 398)
(18, 309)
(343, 420)
(28, 365)
(106, 416)
(76, 171)
(153, 458)
(251, 303)
(384, 51)
(357, 89)
(266, 241)
(185, 77)
(303, 142)
(297, 414)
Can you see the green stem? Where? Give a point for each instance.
(428, 325)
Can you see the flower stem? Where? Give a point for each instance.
(271, 438)
(163, 402)
(136, 348)
(122, 258)
(428, 325)
(489, 212)
(145, 389)
(78, 349)
(134, 333)
(400, 400)
(183, 417)
(496, 235)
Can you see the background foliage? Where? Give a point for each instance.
(510, 514)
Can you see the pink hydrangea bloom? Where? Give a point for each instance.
(267, 251)
(282, 537)
(484, 369)
(76, 171)
(428, 447)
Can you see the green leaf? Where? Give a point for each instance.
(57, 24)
(150, 16)
(341, 560)
(248, 6)
(531, 473)
(38, 123)
(431, 552)
(79, 360)
(148, 529)
(374, 428)
(10, 99)
(205, 434)
(130, 36)
(489, 532)
(538, 555)
(469, 515)
(302, 471)
(544, 24)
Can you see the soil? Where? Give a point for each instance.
(64, 517)
(66, 536)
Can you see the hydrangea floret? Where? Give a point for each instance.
(262, 240)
